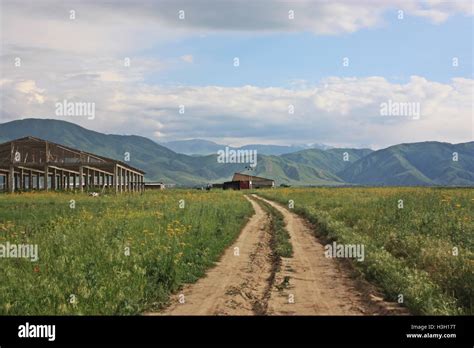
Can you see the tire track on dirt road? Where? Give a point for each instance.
(237, 284)
(254, 282)
(315, 284)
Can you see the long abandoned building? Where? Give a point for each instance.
(34, 164)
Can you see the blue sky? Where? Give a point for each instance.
(284, 63)
(396, 50)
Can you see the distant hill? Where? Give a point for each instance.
(206, 147)
(193, 147)
(425, 163)
(159, 162)
(333, 160)
(428, 163)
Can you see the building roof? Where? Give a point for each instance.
(240, 176)
(44, 151)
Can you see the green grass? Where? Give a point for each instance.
(82, 251)
(408, 251)
(281, 243)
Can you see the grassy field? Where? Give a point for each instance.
(111, 254)
(281, 243)
(418, 241)
(125, 254)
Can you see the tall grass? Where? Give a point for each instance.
(281, 242)
(111, 254)
(423, 251)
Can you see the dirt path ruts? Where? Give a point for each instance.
(318, 285)
(315, 284)
(238, 284)
(246, 282)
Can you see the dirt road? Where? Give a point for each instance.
(248, 281)
(316, 284)
(239, 283)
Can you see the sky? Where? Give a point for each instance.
(308, 71)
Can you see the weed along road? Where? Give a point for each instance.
(238, 284)
(316, 285)
(250, 279)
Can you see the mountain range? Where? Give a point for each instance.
(206, 147)
(425, 163)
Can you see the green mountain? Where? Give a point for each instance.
(206, 147)
(332, 160)
(281, 170)
(193, 147)
(425, 163)
(428, 163)
(159, 162)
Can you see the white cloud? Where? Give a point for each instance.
(188, 58)
(32, 94)
(83, 60)
(337, 111)
(124, 26)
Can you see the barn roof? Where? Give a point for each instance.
(56, 153)
(249, 177)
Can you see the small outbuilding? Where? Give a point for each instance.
(254, 181)
(245, 182)
(236, 185)
(154, 185)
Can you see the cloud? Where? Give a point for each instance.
(85, 60)
(337, 111)
(188, 58)
(126, 25)
(32, 94)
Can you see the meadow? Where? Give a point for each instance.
(112, 255)
(125, 254)
(418, 241)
